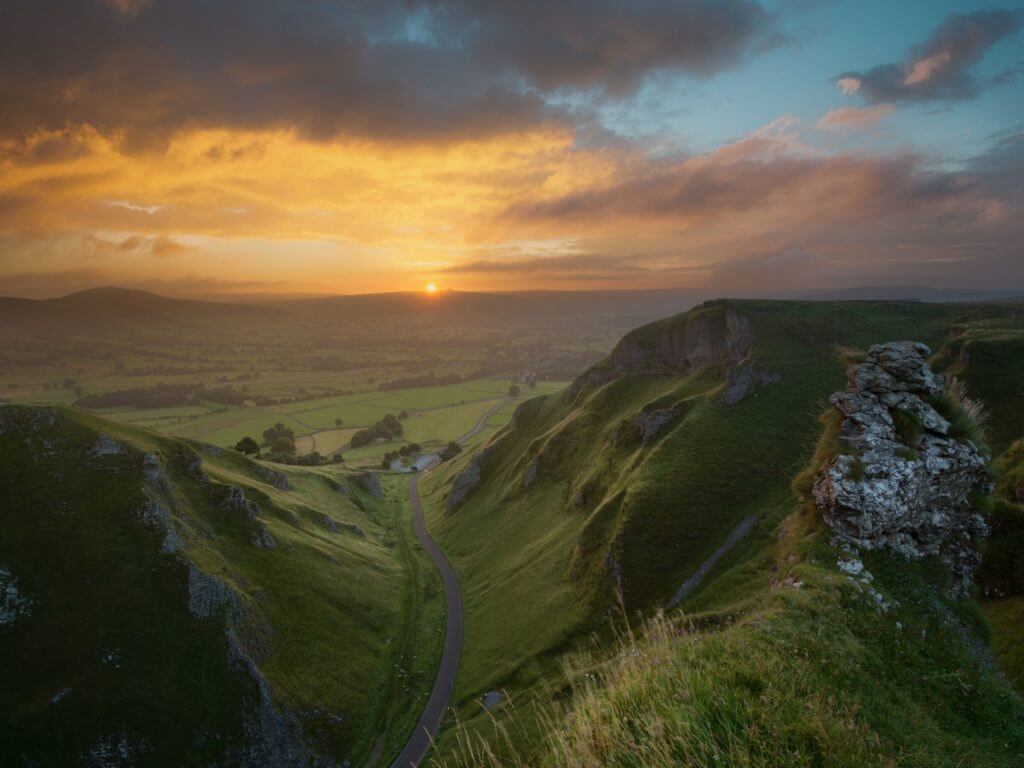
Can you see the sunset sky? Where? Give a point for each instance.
(195, 147)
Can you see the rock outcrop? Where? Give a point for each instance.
(464, 483)
(370, 483)
(13, 604)
(703, 336)
(901, 481)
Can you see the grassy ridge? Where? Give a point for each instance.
(540, 564)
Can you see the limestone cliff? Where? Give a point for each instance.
(901, 481)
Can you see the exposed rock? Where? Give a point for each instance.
(153, 471)
(235, 501)
(333, 525)
(106, 446)
(194, 466)
(370, 483)
(465, 483)
(650, 423)
(273, 737)
(714, 333)
(742, 380)
(156, 515)
(275, 477)
(13, 604)
(207, 594)
(530, 473)
(914, 499)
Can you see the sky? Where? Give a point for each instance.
(199, 148)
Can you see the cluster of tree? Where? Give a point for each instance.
(172, 370)
(282, 450)
(158, 396)
(450, 451)
(426, 380)
(388, 428)
(279, 432)
(405, 451)
(169, 395)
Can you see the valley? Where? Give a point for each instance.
(643, 529)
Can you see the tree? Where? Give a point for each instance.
(450, 451)
(282, 445)
(338, 422)
(276, 431)
(248, 446)
(513, 390)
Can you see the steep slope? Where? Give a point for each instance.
(659, 470)
(173, 604)
(1001, 576)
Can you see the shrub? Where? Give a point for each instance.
(966, 417)
(283, 445)
(248, 446)
(908, 426)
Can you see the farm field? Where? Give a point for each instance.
(435, 415)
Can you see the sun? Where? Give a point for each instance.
(431, 288)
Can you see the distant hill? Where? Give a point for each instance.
(912, 293)
(532, 309)
(123, 311)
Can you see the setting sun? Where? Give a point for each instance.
(431, 288)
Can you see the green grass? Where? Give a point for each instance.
(814, 675)
(908, 426)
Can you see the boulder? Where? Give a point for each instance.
(909, 494)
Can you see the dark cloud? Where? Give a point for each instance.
(750, 218)
(610, 45)
(939, 68)
(412, 69)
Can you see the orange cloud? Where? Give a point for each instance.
(854, 119)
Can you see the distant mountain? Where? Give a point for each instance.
(533, 309)
(128, 312)
(912, 293)
(122, 311)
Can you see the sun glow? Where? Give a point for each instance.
(431, 288)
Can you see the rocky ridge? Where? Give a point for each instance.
(901, 481)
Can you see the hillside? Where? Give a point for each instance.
(666, 467)
(170, 603)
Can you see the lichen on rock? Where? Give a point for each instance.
(907, 491)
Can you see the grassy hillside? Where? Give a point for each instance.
(813, 668)
(578, 515)
(179, 604)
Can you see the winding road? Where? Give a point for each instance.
(422, 738)
(430, 721)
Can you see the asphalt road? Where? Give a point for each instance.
(430, 721)
(423, 735)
